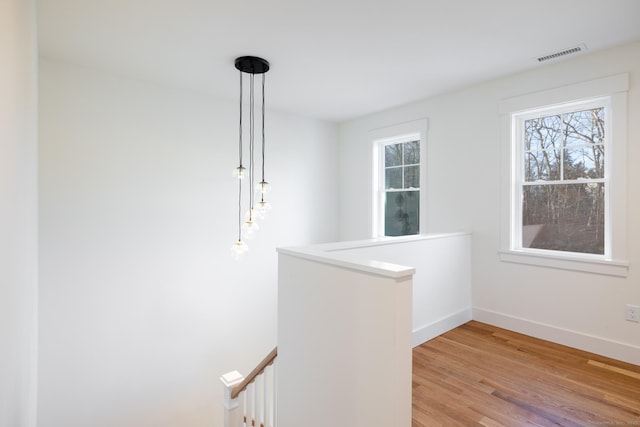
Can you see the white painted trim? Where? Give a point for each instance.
(427, 332)
(590, 89)
(618, 178)
(339, 260)
(573, 263)
(386, 240)
(614, 349)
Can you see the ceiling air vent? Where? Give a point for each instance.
(556, 55)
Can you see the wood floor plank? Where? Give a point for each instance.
(481, 375)
(615, 369)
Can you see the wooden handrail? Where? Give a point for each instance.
(257, 371)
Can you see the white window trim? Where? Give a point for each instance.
(615, 261)
(404, 132)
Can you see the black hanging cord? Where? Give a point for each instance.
(240, 168)
(240, 129)
(262, 183)
(263, 140)
(251, 144)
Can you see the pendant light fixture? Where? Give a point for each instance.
(247, 224)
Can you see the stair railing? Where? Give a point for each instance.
(251, 401)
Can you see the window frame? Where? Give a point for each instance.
(383, 191)
(518, 121)
(401, 133)
(609, 92)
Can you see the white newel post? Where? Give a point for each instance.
(232, 413)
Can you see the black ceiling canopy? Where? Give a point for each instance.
(252, 65)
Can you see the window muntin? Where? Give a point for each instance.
(562, 182)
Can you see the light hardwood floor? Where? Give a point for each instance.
(480, 375)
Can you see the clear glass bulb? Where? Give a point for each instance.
(238, 249)
(249, 228)
(238, 172)
(263, 208)
(263, 187)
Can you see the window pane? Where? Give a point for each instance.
(412, 177)
(542, 165)
(393, 178)
(543, 133)
(584, 127)
(584, 162)
(401, 213)
(393, 155)
(411, 153)
(566, 217)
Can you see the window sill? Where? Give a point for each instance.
(595, 266)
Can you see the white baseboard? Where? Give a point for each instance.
(439, 327)
(598, 345)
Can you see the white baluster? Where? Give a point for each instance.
(274, 394)
(232, 411)
(256, 400)
(242, 400)
(249, 407)
(257, 403)
(265, 396)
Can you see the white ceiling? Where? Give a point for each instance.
(330, 59)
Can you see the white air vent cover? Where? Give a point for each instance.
(556, 55)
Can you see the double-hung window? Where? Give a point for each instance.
(567, 179)
(562, 178)
(401, 192)
(398, 179)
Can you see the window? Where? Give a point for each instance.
(566, 186)
(562, 177)
(398, 178)
(401, 192)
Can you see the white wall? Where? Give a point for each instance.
(18, 214)
(142, 307)
(463, 193)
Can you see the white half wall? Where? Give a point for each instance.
(348, 315)
(18, 214)
(441, 293)
(344, 341)
(463, 193)
(142, 307)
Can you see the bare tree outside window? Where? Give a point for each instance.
(563, 192)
